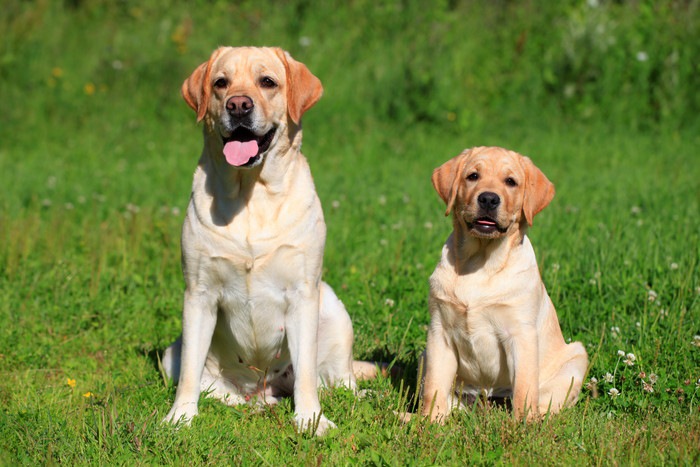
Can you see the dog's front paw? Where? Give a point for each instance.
(306, 421)
(181, 415)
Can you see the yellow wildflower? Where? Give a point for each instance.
(70, 382)
(87, 395)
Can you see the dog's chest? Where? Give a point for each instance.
(477, 333)
(253, 301)
(476, 313)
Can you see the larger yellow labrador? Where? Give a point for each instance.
(493, 328)
(258, 323)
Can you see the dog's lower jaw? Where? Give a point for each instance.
(487, 231)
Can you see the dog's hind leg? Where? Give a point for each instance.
(171, 360)
(562, 389)
(335, 338)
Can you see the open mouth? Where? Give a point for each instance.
(243, 148)
(486, 226)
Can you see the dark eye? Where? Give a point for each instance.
(510, 181)
(220, 83)
(472, 177)
(267, 82)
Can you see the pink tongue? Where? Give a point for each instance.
(485, 222)
(239, 153)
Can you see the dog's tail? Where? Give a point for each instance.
(370, 370)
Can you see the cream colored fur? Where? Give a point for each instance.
(493, 328)
(258, 322)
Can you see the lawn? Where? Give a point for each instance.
(97, 151)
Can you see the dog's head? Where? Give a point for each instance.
(491, 190)
(249, 97)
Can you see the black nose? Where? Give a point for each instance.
(239, 106)
(488, 200)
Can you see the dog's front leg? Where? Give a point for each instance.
(302, 336)
(440, 370)
(198, 322)
(523, 364)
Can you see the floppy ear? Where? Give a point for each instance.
(539, 191)
(446, 179)
(303, 88)
(196, 89)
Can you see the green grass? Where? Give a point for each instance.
(97, 151)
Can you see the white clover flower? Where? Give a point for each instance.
(653, 378)
(405, 198)
(652, 296)
(629, 361)
(613, 392)
(304, 41)
(46, 202)
(592, 281)
(663, 312)
(647, 387)
(638, 324)
(673, 266)
(696, 340)
(382, 200)
(335, 204)
(569, 90)
(594, 379)
(389, 302)
(428, 225)
(81, 199)
(383, 242)
(555, 267)
(620, 353)
(636, 210)
(175, 211)
(69, 206)
(593, 3)
(642, 56)
(608, 378)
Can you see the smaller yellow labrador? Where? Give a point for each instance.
(493, 328)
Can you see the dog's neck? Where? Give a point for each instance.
(490, 255)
